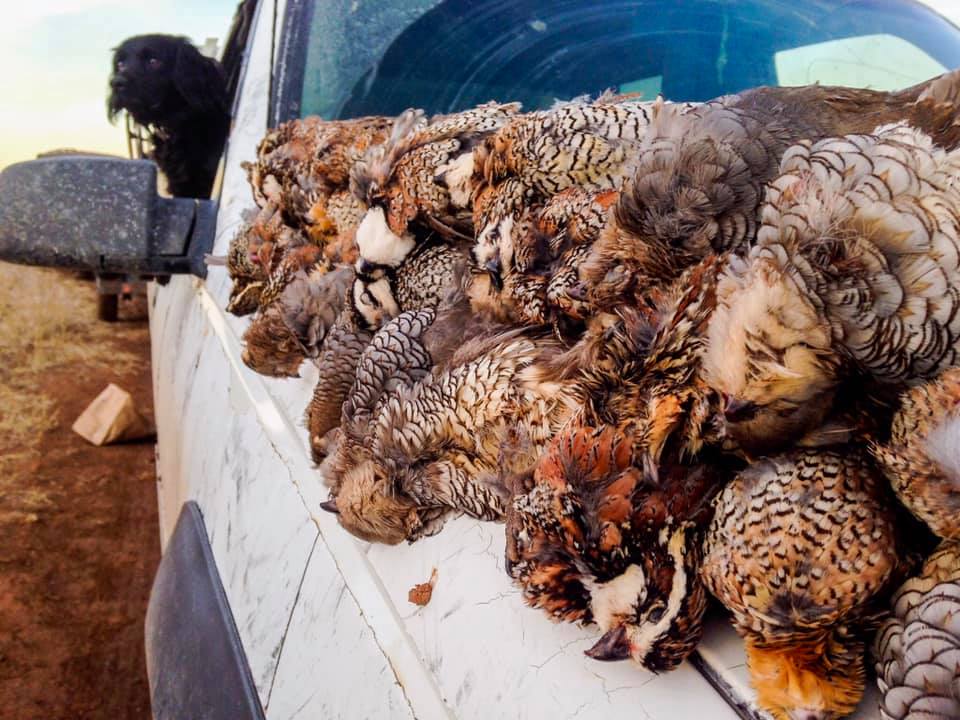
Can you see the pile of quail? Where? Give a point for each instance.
(680, 350)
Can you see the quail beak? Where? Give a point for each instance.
(364, 267)
(614, 645)
(802, 714)
(330, 506)
(651, 473)
(494, 269)
(736, 410)
(577, 292)
(617, 278)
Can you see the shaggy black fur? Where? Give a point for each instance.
(180, 97)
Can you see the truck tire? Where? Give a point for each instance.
(107, 307)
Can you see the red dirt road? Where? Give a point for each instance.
(78, 548)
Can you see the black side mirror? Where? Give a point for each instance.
(101, 214)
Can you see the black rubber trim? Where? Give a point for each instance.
(290, 62)
(195, 662)
(740, 706)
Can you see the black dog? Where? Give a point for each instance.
(180, 96)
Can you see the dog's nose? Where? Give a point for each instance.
(118, 82)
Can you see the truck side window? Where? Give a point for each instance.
(881, 62)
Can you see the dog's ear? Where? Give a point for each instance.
(199, 80)
(113, 108)
(113, 102)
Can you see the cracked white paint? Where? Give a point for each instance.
(221, 458)
(332, 666)
(493, 656)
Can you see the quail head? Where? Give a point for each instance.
(299, 305)
(536, 271)
(422, 280)
(580, 144)
(248, 259)
(594, 539)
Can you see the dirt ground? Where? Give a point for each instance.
(79, 541)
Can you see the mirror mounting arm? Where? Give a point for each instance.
(184, 229)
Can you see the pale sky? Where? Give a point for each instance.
(950, 9)
(56, 60)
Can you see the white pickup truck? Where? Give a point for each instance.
(305, 621)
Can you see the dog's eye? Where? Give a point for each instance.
(154, 63)
(121, 65)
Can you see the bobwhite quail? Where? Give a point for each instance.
(855, 269)
(589, 145)
(371, 507)
(303, 168)
(594, 539)
(799, 546)
(429, 431)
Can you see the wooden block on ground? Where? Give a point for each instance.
(112, 416)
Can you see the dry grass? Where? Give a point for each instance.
(43, 313)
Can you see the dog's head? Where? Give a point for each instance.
(158, 78)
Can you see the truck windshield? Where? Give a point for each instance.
(365, 57)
